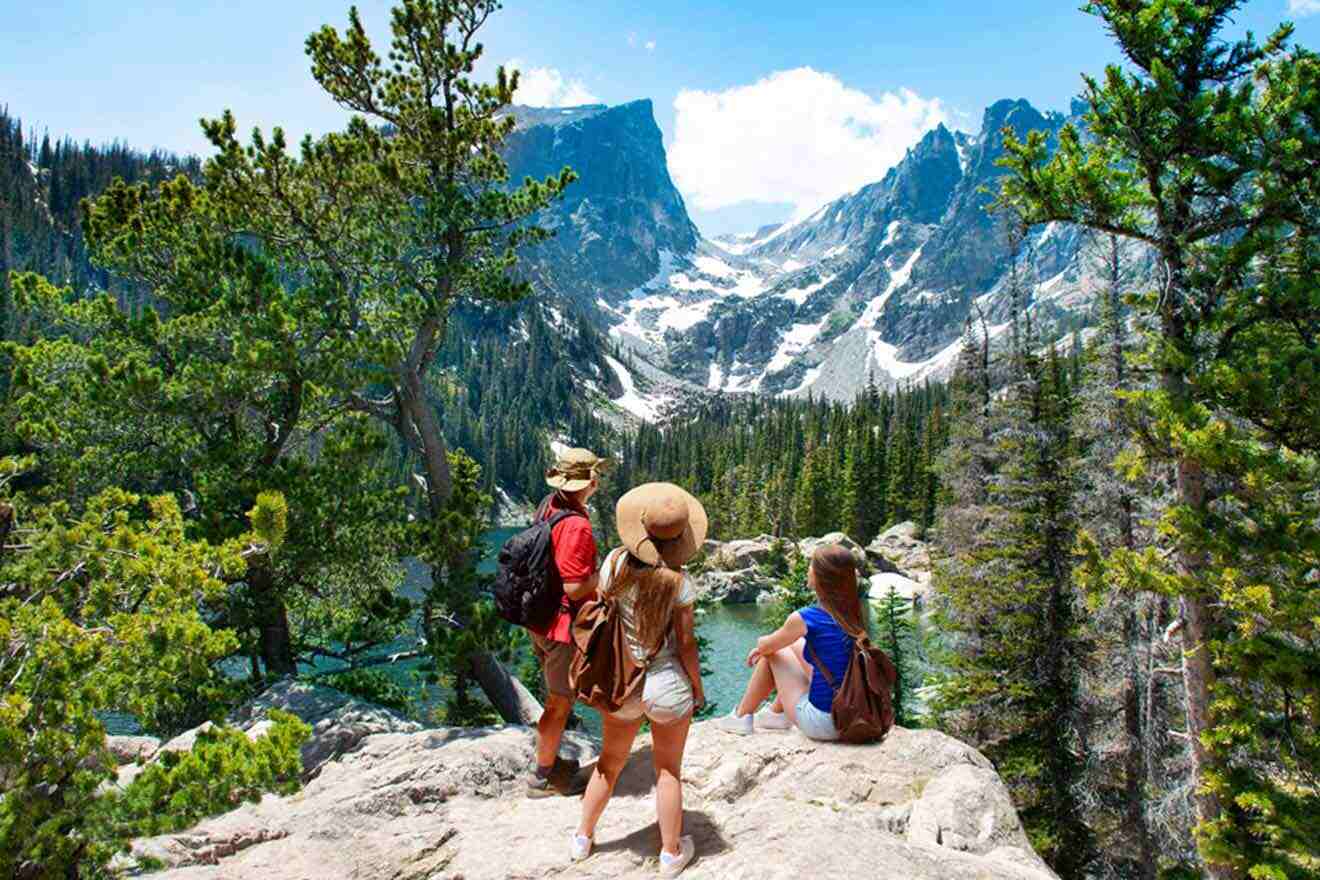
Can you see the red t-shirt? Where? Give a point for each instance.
(575, 557)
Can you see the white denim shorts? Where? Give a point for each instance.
(666, 694)
(813, 722)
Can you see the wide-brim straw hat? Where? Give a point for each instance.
(575, 469)
(661, 522)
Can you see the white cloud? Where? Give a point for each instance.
(650, 44)
(547, 87)
(1303, 7)
(798, 136)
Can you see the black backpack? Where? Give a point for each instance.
(528, 588)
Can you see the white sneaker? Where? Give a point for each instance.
(672, 866)
(768, 719)
(581, 847)
(735, 723)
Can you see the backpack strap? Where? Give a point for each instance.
(559, 516)
(824, 670)
(562, 515)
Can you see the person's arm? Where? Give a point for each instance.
(579, 590)
(685, 633)
(792, 630)
(575, 554)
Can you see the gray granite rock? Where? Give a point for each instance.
(449, 804)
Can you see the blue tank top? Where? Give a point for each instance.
(834, 648)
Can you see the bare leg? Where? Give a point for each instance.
(759, 687)
(791, 681)
(799, 648)
(616, 746)
(667, 742)
(550, 728)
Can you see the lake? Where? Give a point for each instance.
(731, 630)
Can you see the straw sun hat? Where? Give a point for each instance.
(661, 521)
(575, 469)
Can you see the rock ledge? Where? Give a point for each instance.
(447, 804)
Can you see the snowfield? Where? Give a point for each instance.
(645, 408)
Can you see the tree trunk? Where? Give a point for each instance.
(274, 640)
(434, 451)
(1198, 667)
(506, 693)
(1134, 758)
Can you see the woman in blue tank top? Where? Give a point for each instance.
(789, 661)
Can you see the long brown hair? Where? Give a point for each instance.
(836, 588)
(657, 587)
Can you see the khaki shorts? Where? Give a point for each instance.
(556, 658)
(666, 695)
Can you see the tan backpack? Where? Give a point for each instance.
(863, 707)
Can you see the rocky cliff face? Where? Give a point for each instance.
(615, 223)
(447, 803)
(879, 284)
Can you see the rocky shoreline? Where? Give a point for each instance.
(734, 572)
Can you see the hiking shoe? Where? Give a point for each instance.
(735, 723)
(580, 848)
(672, 866)
(563, 779)
(767, 719)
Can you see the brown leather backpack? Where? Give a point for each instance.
(863, 707)
(604, 674)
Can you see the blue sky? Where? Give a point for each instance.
(769, 108)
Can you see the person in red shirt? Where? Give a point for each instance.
(575, 478)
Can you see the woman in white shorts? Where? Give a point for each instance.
(804, 661)
(661, 527)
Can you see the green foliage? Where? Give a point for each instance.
(792, 593)
(1005, 599)
(1207, 150)
(223, 769)
(101, 612)
(800, 468)
(894, 618)
(373, 686)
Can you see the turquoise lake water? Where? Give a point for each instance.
(731, 630)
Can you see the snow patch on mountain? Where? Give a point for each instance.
(799, 295)
(714, 266)
(794, 342)
(890, 232)
(645, 408)
(807, 381)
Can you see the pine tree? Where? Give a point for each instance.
(1207, 151)
(1005, 597)
(893, 615)
(854, 489)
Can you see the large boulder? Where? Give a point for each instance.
(901, 546)
(131, 749)
(807, 546)
(739, 554)
(448, 804)
(732, 587)
(882, 583)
